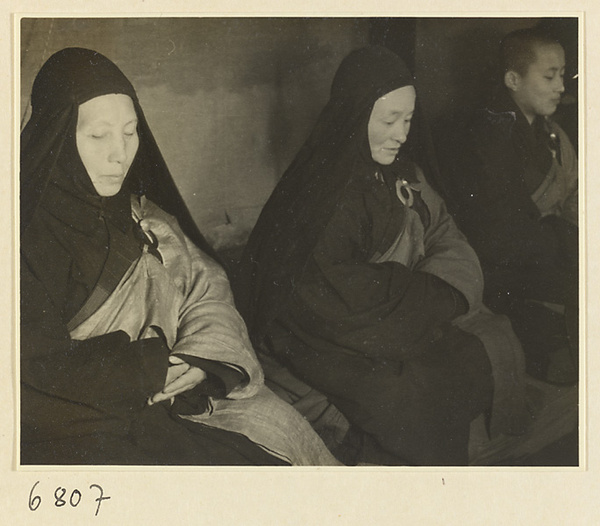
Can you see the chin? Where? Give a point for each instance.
(108, 191)
(385, 161)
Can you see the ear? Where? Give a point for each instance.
(512, 80)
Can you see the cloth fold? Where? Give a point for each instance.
(106, 297)
(450, 258)
(188, 297)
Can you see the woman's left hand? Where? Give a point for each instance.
(180, 377)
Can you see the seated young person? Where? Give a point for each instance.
(132, 351)
(511, 176)
(357, 279)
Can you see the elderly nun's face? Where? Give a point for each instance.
(390, 122)
(107, 140)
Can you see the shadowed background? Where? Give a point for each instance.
(230, 100)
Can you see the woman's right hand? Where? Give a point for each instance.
(180, 377)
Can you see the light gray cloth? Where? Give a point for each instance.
(189, 298)
(448, 255)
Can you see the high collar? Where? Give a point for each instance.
(83, 212)
(502, 102)
(530, 140)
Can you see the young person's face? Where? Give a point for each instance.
(107, 140)
(538, 91)
(389, 123)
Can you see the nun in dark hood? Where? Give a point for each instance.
(132, 351)
(357, 279)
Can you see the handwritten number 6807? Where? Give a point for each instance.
(59, 493)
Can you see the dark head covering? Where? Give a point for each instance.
(336, 153)
(48, 149)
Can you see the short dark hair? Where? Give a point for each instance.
(517, 49)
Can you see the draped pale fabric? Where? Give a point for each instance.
(188, 298)
(376, 339)
(451, 258)
(557, 194)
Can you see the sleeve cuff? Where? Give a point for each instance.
(221, 379)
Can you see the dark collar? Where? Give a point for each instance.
(532, 140)
(82, 212)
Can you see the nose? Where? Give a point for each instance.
(400, 134)
(560, 88)
(118, 152)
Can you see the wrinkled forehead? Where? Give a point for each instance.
(113, 109)
(399, 101)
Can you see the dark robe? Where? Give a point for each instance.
(493, 164)
(376, 338)
(84, 401)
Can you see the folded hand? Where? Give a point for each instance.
(180, 377)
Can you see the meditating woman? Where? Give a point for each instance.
(355, 277)
(131, 349)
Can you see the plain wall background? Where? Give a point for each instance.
(456, 60)
(231, 100)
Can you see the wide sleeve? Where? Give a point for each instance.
(448, 254)
(376, 309)
(209, 326)
(68, 383)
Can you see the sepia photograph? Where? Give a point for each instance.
(299, 241)
(297, 250)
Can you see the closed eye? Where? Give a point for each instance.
(130, 130)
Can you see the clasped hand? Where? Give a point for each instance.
(181, 377)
